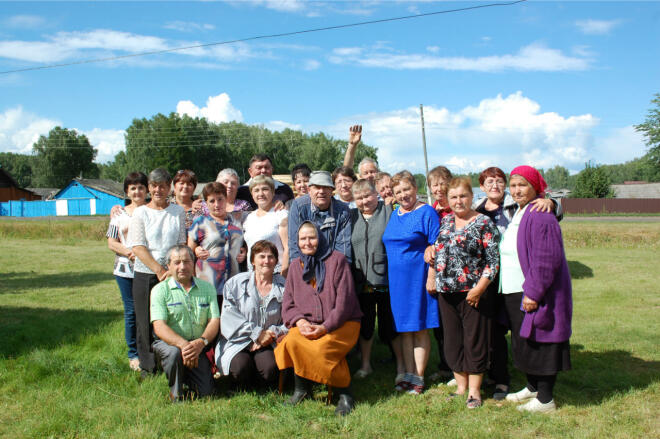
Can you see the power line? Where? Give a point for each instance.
(261, 37)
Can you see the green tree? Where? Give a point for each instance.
(62, 155)
(19, 166)
(592, 182)
(651, 130)
(172, 142)
(558, 178)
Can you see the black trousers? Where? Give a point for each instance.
(257, 367)
(142, 285)
(372, 305)
(466, 333)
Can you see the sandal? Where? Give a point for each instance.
(473, 403)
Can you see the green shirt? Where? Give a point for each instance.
(186, 313)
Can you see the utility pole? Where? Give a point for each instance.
(426, 160)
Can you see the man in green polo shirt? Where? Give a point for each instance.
(185, 316)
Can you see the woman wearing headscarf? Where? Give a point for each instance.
(536, 284)
(322, 312)
(500, 207)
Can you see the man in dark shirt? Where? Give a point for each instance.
(261, 164)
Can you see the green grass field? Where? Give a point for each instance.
(64, 372)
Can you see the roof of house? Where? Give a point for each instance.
(648, 190)
(47, 193)
(9, 177)
(107, 186)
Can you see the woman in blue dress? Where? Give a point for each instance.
(413, 226)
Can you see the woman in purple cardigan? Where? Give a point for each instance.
(536, 285)
(322, 312)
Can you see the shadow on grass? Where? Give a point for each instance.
(18, 282)
(579, 270)
(597, 376)
(22, 329)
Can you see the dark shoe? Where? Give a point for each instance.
(344, 405)
(301, 390)
(297, 397)
(500, 392)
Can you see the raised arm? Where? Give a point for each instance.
(354, 137)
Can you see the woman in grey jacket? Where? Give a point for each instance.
(369, 267)
(251, 320)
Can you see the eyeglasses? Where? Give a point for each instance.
(491, 183)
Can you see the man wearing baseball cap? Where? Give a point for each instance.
(330, 215)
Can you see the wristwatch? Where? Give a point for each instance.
(206, 342)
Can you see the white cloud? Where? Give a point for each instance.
(596, 27)
(188, 26)
(502, 131)
(24, 21)
(218, 109)
(282, 5)
(534, 57)
(20, 129)
(433, 49)
(311, 64)
(67, 45)
(620, 145)
(108, 142)
(279, 125)
(103, 43)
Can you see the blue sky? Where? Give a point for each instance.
(541, 83)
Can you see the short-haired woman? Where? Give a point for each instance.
(215, 240)
(412, 227)
(266, 222)
(154, 228)
(184, 184)
(369, 264)
(466, 262)
(135, 188)
(300, 176)
(251, 320)
(343, 178)
(536, 284)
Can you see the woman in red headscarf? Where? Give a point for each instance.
(536, 285)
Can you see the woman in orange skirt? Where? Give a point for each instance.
(322, 311)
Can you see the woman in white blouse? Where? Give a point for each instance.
(135, 188)
(154, 228)
(267, 224)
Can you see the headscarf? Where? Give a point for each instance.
(313, 265)
(534, 178)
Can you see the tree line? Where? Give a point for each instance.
(180, 142)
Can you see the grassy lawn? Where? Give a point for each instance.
(64, 372)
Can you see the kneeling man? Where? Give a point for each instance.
(185, 317)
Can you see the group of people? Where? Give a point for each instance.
(253, 280)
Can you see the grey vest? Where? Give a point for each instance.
(369, 257)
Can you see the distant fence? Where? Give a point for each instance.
(76, 207)
(611, 205)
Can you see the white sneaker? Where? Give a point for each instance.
(452, 382)
(536, 406)
(521, 396)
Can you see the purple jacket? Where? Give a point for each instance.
(547, 279)
(333, 306)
